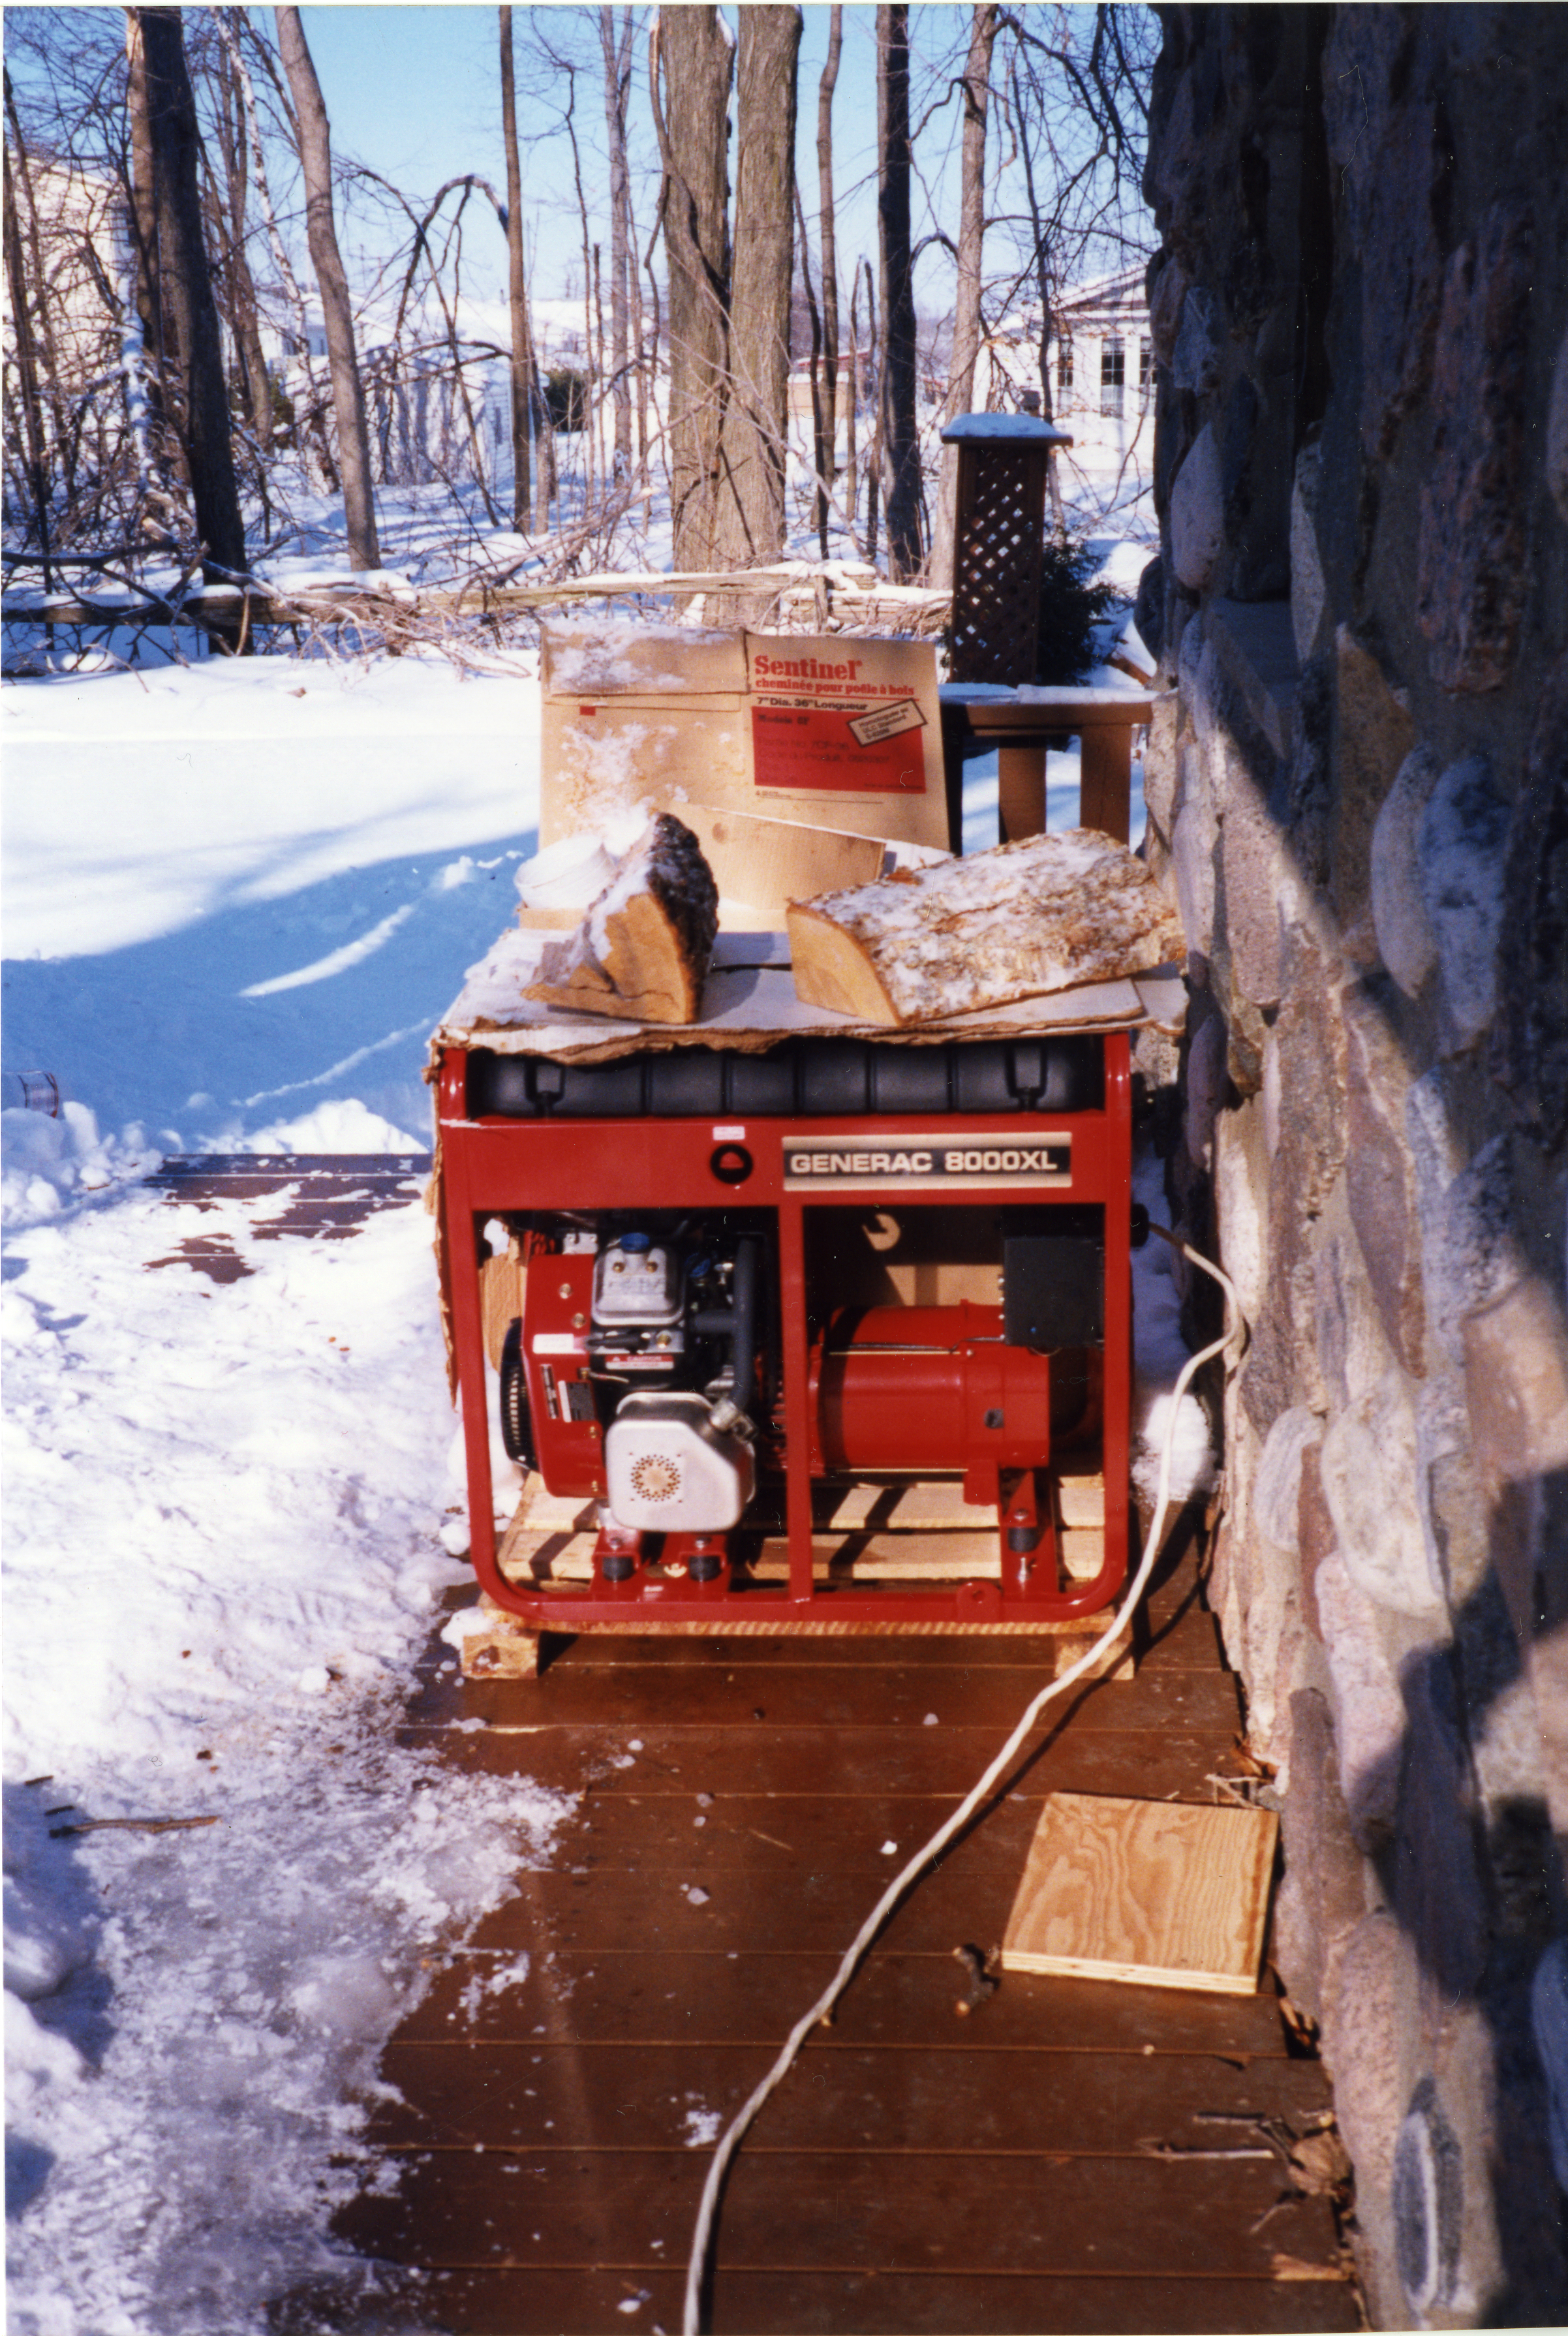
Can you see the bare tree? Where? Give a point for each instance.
(852, 406)
(899, 448)
(348, 390)
(828, 231)
(144, 218)
(193, 350)
(751, 508)
(616, 45)
(27, 368)
(689, 51)
(523, 385)
(821, 458)
(230, 220)
(970, 254)
(1078, 103)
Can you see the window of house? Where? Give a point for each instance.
(1064, 365)
(1113, 375)
(1145, 367)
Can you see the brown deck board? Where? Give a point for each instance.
(796, 1693)
(542, 2300)
(1057, 2212)
(906, 1760)
(538, 2096)
(767, 1836)
(329, 1196)
(898, 1999)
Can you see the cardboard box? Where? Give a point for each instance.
(826, 731)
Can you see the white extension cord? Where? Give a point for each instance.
(702, 2237)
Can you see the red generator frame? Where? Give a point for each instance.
(492, 1161)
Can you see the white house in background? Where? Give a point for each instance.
(83, 234)
(1102, 375)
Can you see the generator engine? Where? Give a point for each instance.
(633, 1373)
(645, 1372)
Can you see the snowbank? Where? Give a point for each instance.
(239, 891)
(48, 1164)
(224, 1508)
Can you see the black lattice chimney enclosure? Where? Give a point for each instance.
(999, 542)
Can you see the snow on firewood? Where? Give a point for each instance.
(1046, 913)
(642, 953)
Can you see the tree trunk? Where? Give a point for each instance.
(588, 425)
(241, 284)
(143, 222)
(875, 451)
(698, 61)
(900, 450)
(616, 48)
(828, 231)
(348, 390)
(27, 372)
(1042, 250)
(750, 509)
(197, 364)
(46, 353)
(852, 415)
(228, 34)
(967, 307)
(821, 458)
(522, 376)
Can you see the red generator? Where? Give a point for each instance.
(833, 1337)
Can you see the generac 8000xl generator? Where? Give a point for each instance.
(832, 1336)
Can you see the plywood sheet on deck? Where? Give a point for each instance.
(1145, 1890)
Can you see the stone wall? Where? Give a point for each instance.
(1360, 797)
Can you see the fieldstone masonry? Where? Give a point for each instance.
(1358, 796)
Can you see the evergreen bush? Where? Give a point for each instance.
(1070, 608)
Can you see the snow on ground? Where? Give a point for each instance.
(236, 897)
(238, 891)
(233, 913)
(224, 1508)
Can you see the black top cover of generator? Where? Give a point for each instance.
(801, 1078)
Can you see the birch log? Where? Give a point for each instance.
(642, 953)
(1046, 913)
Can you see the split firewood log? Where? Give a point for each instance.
(641, 952)
(1048, 913)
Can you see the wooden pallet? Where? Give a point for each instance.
(919, 1529)
(872, 1533)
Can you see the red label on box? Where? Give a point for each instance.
(808, 747)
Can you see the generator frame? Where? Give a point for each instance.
(492, 1165)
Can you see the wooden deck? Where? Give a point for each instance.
(1057, 2155)
(1061, 2154)
(331, 1195)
